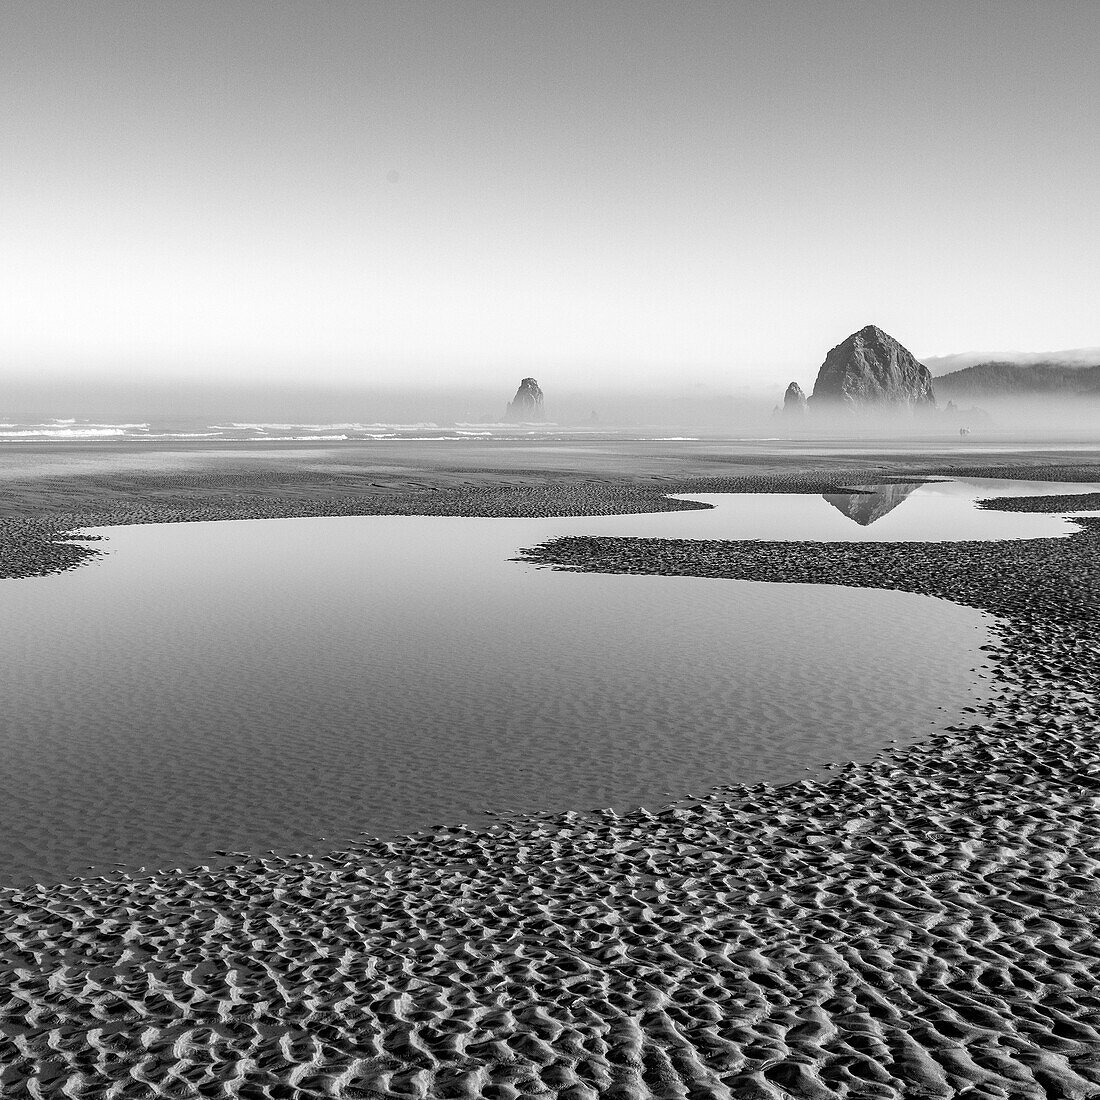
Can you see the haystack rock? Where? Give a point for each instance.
(872, 372)
(794, 400)
(527, 404)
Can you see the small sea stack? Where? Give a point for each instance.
(794, 401)
(871, 372)
(527, 405)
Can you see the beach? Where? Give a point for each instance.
(921, 924)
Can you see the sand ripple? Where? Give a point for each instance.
(923, 925)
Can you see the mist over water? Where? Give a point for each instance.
(194, 406)
(121, 410)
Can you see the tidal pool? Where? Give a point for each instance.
(944, 511)
(288, 684)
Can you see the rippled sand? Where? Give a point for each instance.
(921, 925)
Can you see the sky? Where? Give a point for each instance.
(612, 194)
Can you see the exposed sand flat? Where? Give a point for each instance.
(155, 485)
(921, 925)
(1074, 502)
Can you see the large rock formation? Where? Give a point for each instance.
(794, 400)
(527, 404)
(872, 372)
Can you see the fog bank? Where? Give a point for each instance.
(699, 405)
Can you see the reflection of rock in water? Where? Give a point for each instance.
(872, 504)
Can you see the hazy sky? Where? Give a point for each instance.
(589, 192)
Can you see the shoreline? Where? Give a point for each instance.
(916, 925)
(38, 514)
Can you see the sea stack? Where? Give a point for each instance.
(526, 406)
(872, 372)
(794, 401)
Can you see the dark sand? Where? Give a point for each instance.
(46, 489)
(921, 925)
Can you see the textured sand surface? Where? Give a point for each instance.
(36, 511)
(923, 925)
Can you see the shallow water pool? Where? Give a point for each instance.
(944, 511)
(263, 684)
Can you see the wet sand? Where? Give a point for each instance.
(47, 490)
(920, 925)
